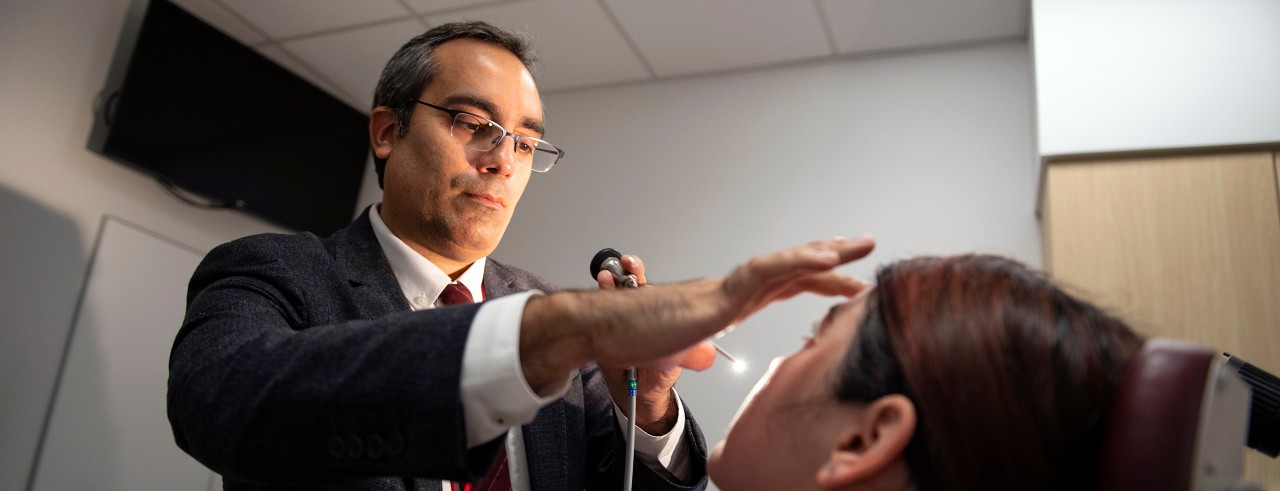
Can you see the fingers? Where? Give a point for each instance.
(805, 268)
(605, 280)
(700, 357)
(814, 256)
(855, 248)
(633, 265)
(830, 284)
(844, 249)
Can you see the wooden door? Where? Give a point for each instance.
(1185, 247)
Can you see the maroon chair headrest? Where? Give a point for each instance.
(1149, 437)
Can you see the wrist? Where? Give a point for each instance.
(657, 415)
(549, 347)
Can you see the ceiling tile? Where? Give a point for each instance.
(289, 18)
(577, 44)
(872, 25)
(353, 60)
(681, 36)
(218, 16)
(437, 6)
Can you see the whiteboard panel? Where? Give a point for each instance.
(108, 429)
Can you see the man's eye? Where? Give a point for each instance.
(525, 147)
(469, 126)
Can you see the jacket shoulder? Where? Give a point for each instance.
(264, 249)
(517, 279)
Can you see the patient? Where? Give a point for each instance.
(967, 372)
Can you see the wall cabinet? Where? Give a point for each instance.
(1181, 246)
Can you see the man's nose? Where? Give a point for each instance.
(501, 159)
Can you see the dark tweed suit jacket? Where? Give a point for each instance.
(300, 365)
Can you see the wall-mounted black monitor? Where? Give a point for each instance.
(199, 110)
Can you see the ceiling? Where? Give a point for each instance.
(341, 45)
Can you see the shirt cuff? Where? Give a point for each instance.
(495, 395)
(665, 452)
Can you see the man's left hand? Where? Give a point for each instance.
(655, 401)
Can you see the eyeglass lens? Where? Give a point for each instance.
(484, 135)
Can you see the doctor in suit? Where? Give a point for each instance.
(395, 354)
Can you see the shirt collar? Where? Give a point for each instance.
(421, 281)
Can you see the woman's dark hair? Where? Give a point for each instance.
(412, 68)
(1009, 374)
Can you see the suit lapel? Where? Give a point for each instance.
(359, 256)
(546, 450)
(500, 280)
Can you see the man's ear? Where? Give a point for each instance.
(382, 130)
(871, 444)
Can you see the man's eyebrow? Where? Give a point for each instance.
(470, 100)
(493, 113)
(533, 125)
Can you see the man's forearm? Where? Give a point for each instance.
(565, 330)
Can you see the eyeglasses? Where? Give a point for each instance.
(482, 134)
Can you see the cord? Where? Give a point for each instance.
(629, 467)
(173, 190)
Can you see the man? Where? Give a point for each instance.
(335, 363)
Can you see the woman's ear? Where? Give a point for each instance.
(871, 444)
(382, 130)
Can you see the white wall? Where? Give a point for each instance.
(108, 430)
(931, 151)
(54, 56)
(1150, 74)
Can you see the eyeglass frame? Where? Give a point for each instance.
(515, 139)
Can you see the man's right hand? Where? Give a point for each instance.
(654, 326)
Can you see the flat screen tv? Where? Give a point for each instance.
(200, 111)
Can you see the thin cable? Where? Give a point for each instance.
(629, 467)
(173, 190)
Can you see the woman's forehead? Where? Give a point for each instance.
(845, 313)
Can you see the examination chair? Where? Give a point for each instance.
(1178, 423)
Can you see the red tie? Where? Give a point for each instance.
(455, 293)
(499, 477)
